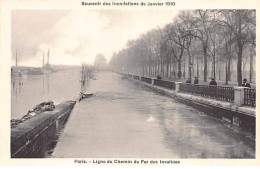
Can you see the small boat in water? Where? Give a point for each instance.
(83, 96)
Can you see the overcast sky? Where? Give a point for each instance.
(76, 36)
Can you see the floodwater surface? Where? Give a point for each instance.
(30, 90)
(127, 120)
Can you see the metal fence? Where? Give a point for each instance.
(146, 79)
(166, 84)
(135, 77)
(217, 92)
(249, 97)
(130, 76)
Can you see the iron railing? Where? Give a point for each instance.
(166, 84)
(249, 97)
(146, 79)
(135, 77)
(216, 92)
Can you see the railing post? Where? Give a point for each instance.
(140, 77)
(177, 87)
(173, 85)
(238, 95)
(152, 81)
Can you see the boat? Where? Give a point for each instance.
(83, 96)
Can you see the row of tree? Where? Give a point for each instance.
(209, 37)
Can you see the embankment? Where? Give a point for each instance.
(36, 136)
(236, 115)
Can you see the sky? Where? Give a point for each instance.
(77, 36)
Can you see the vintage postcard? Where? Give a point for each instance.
(129, 83)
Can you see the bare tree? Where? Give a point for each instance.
(215, 36)
(201, 22)
(239, 22)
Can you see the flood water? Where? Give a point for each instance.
(127, 120)
(30, 90)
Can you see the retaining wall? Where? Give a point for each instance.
(36, 136)
(239, 116)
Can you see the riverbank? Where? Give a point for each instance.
(239, 116)
(35, 137)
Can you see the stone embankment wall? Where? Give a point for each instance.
(229, 112)
(36, 136)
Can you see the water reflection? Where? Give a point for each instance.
(17, 84)
(83, 87)
(43, 84)
(48, 83)
(30, 90)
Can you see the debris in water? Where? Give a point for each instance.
(44, 106)
(83, 96)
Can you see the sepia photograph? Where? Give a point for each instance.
(139, 80)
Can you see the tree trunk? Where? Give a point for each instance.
(173, 69)
(219, 78)
(170, 69)
(168, 64)
(162, 66)
(184, 69)
(158, 67)
(149, 64)
(179, 74)
(227, 73)
(190, 66)
(251, 68)
(205, 63)
(240, 50)
(214, 67)
(239, 64)
(229, 69)
(153, 70)
(197, 67)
